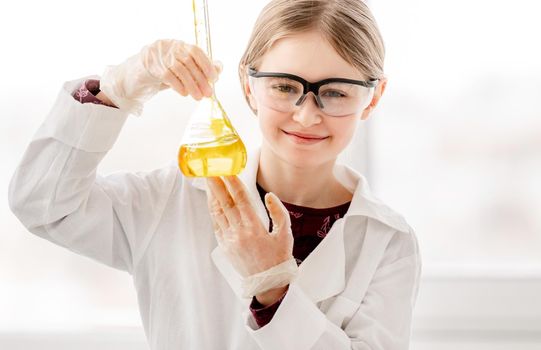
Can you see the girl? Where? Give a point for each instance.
(295, 252)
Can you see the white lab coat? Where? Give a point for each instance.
(356, 290)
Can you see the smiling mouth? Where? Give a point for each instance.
(305, 136)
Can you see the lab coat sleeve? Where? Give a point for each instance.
(56, 192)
(382, 321)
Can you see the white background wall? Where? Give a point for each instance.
(455, 147)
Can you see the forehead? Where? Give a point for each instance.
(308, 55)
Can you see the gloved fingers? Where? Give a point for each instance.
(217, 230)
(227, 205)
(199, 77)
(278, 213)
(222, 225)
(171, 80)
(240, 196)
(183, 74)
(208, 68)
(219, 220)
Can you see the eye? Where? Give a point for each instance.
(333, 93)
(286, 89)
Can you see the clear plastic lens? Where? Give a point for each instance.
(337, 99)
(282, 88)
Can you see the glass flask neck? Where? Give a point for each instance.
(202, 26)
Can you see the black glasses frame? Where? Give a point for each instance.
(312, 86)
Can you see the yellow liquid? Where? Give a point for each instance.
(223, 157)
(213, 149)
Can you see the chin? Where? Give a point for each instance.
(305, 158)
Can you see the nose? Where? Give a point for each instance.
(308, 113)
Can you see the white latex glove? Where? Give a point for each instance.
(162, 64)
(277, 276)
(255, 253)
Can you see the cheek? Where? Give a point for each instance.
(270, 121)
(343, 131)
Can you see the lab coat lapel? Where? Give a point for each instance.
(322, 273)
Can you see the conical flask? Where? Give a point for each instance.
(210, 146)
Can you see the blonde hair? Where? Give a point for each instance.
(348, 25)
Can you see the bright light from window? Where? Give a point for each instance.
(458, 136)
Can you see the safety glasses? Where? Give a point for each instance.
(336, 97)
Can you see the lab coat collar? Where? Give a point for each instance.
(364, 203)
(327, 260)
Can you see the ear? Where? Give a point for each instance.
(249, 96)
(380, 89)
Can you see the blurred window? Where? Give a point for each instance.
(457, 138)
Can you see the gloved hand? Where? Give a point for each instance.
(158, 66)
(264, 260)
